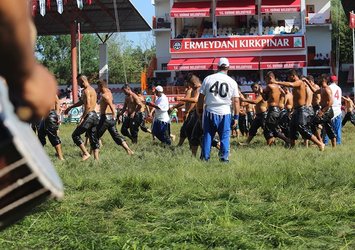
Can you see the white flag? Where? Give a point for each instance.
(80, 4)
(42, 7)
(60, 6)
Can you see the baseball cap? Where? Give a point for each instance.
(223, 61)
(334, 78)
(159, 88)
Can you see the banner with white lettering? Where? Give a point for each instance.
(292, 8)
(247, 43)
(60, 6)
(42, 7)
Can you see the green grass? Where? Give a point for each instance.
(163, 198)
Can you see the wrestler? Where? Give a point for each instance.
(250, 112)
(299, 121)
(108, 117)
(315, 105)
(349, 109)
(134, 107)
(243, 119)
(88, 120)
(272, 94)
(145, 112)
(186, 128)
(309, 108)
(193, 129)
(286, 106)
(260, 110)
(49, 127)
(325, 113)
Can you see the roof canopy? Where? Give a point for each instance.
(235, 8)
(280, 6)
(240, 63)
(191, 9)
(98, 17)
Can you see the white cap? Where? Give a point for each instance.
(159, 88)
(224, 61)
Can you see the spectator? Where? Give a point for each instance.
(174, 116)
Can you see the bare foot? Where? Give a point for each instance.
(243, 143)
(85, 157)
(321, 148)
(173, 137)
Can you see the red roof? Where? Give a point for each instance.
(191, 9)
(280, 6)
(235, 8)
(283, 62)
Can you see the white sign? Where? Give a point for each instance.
(316, 18)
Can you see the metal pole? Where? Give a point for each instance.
(79, 52)
(74, 63)
(353, 57)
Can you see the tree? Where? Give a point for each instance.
(54, 52)
(125, 61)
(341, 35)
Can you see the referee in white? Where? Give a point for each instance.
(218, 92)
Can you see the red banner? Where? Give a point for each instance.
(282, 65)
(352, 21)
(245, 43)
(280, 9)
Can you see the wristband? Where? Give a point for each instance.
(236, 117)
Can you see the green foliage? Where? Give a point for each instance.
(163, 198)
(127, 61)
(55, 53)
(342, 34)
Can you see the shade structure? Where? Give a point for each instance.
(99, 17)
(191, 64)
(190, 9)
(280, 6)
(283, 62)
(241, 63)
(235, 8)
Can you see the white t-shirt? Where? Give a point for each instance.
(162, 113)
(336, 94)
(219, 89)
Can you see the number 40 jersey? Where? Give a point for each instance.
(219, 89)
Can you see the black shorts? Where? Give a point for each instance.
(271, 123)
(49, 127)
(300, 123)
(196, 135)
(188, 125)
(258, 122)
(89, 126)
(108, 123)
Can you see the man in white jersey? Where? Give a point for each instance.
(161, 124)
(218, 92)
(337, 118)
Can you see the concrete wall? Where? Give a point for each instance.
(320, 37)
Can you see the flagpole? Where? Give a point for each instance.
(353, 57)
(79, 53)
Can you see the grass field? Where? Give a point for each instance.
(162, 198)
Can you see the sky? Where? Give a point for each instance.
(146, 9)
